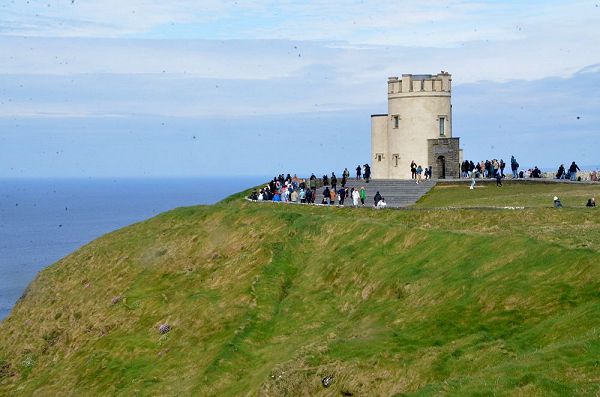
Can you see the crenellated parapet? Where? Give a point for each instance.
(420, 85)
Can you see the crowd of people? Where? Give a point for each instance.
(495, 169)
(288, 188)
(487, 168)
(298, 190)
(418, 173)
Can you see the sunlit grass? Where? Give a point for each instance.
(268, 299)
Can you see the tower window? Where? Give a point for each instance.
(396, 120)
(378, 156)
(442, 120)
(396, 157)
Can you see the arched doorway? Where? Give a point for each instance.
(441, 167)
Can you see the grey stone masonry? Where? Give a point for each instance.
(444, 157)
(397, 193)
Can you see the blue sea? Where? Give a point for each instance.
(43, 220)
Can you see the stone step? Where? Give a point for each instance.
(397, 193)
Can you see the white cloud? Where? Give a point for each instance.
(347, 51)
(402, 23)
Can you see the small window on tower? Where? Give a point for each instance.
(379, 156)
(396, 120)
(442, 125)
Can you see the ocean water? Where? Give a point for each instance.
(43, 220)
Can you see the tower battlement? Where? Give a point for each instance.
(420, 84)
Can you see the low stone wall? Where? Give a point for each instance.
(584, 175)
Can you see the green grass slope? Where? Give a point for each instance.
(267, 299)
(519, 193)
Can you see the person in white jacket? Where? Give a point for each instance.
(381, 203)
(355, 197)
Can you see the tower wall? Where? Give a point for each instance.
(379, 146)
(416, 103)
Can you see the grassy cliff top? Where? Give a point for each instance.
(267, 299)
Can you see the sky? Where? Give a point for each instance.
(197, 88)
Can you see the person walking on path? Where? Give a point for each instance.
(413, 169)
(358, 172)
(573, 171)
(472, 181)
(498, 179)
(363, 195)
(419, 172)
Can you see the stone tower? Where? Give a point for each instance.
(418, 126)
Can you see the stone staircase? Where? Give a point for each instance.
(398, 193)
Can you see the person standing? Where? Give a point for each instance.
(312, 182)
(326, 195)
(332, 196)
(495, 167)
(363, 195)
(346, 173)
(302, 196)
(498, 179)
(413, 169)
(358, 172)
(333, 180)
(341, 196)
(367, 173)
(573, 171)
(355, 197)
(419, 172)
(514, 166)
